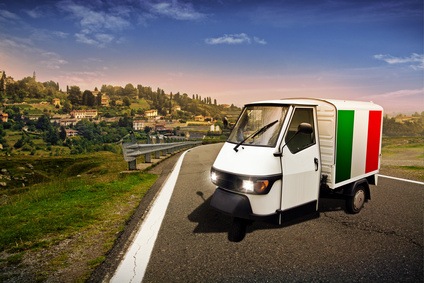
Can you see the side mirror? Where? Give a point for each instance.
(305, 128)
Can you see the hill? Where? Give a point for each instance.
(39, 118)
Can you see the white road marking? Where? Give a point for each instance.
(133, 267)
(400, 179)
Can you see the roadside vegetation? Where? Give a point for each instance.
(403, 157)
(67, 217)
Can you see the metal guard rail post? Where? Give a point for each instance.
(132, 150)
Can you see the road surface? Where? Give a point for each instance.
(384, 242)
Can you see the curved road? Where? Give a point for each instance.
(384, 242)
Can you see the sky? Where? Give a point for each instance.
(234, 51)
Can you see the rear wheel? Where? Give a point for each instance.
(237, 230)
(355, 203)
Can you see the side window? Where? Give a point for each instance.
(299, 141)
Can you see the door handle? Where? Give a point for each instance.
(316, 163)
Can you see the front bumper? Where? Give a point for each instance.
(237, 205)
(233, 204)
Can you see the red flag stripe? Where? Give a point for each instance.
(373, 142)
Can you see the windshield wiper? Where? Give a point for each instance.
(260, 131)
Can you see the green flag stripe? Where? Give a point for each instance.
(344, 144)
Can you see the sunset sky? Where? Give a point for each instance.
(232, 50)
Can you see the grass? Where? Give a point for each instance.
(140, 104)
(61, 208)
(403, 157)
(79, 195)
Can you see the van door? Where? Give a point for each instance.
(301, 161)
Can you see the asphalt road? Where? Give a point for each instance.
(384, 242)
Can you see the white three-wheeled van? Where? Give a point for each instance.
(281, 154)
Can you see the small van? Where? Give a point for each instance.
(282, 154)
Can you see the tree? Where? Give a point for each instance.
(67, 107)
(88, 98)
(43, 123)
(108, 89)
(74, 95)
(130, 90)
(62, 133)
(126, 101)
(51, 136)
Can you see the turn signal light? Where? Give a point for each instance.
(260, 186)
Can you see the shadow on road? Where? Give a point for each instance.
(210, 220)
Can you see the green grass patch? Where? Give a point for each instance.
(70, 193)
(415, 168)
(60, 208)
(402, 142)
(140, 104)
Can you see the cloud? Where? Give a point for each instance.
(232, 39)
(97, 26)
(52, 60)
(7, 16)
(35, 13)
(175, 10)
(259, 41)
(25, 49)
(416, 61)
(95, 21)
(402, 94)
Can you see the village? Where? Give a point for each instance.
(131, 109)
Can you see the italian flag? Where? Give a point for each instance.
(358, 143)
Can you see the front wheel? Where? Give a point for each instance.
(237, 230)
(355, 203)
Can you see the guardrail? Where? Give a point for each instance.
(132, 150)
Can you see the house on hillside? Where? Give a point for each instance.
(199, 118)
(71, 132)
(138, 125)
(151, 113)
(68, 122)
(105, 100)
(84, 114)
(4, 117)
(56, 102)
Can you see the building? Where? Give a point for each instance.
(138, 125)
(84, 114)
(104, 100)
(4, 117)
(68, 122)
(151, 113)
(56, 102)
(71, 132)
(199, 118)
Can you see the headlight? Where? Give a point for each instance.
(248, 186)
(242, 183)
(214, 177)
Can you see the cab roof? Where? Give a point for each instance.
(338, 104)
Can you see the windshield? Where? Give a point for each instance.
(258, 125)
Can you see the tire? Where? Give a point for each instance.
(355, 203)
(237, 230)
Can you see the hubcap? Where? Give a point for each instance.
(359, 199)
